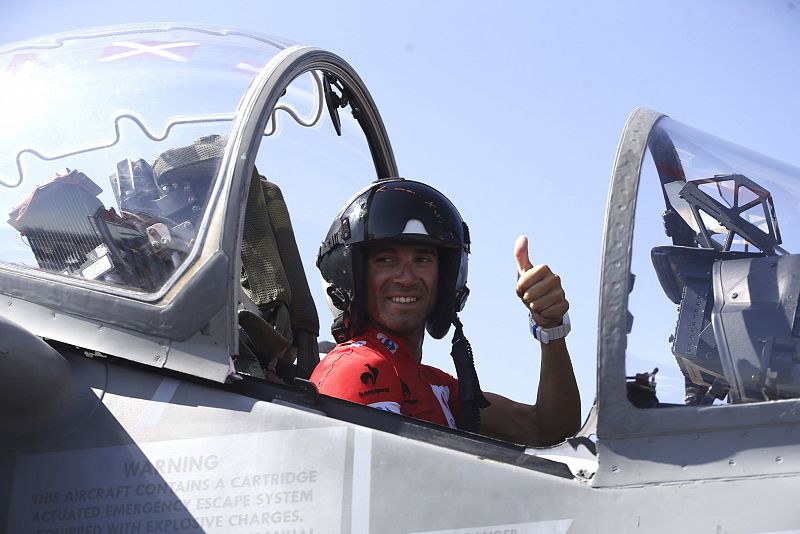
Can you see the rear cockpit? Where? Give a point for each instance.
(699, 307)
(720, 223)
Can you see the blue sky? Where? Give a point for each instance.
(514, 110)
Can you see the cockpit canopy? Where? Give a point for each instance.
(113, 143)
(721, 225)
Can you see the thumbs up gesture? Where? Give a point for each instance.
(539, 288)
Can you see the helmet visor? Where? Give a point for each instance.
(415, 212)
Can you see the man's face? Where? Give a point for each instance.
(401, 286)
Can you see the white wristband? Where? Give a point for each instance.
(546, 335)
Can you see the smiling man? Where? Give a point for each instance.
(395, 261)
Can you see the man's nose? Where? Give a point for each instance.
(406, 273)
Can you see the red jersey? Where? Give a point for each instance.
(379, 371)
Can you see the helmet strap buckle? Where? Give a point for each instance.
(339, 329)
(461, 298)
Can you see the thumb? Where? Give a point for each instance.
(521, 254)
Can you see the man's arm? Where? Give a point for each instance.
(556, 414)
(554, 417)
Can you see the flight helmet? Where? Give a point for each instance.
(393, 210)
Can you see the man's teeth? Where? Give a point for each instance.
(403, 300)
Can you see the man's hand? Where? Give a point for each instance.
(539, 288)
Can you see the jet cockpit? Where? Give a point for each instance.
(161, 187)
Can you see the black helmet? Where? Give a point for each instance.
(394, 210)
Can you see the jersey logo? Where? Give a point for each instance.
(407, 394)
(388, 343)
(370, 377)
(358, 343)
(442, 394)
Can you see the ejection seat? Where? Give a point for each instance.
(278, 321)
(277, 318)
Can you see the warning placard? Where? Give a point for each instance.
(263, 483)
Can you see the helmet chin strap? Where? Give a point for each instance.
(470, 397)
(340, 329)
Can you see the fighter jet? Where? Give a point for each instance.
(157, 328)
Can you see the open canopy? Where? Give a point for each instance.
(112, 145)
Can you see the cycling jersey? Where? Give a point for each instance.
(379, 371)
